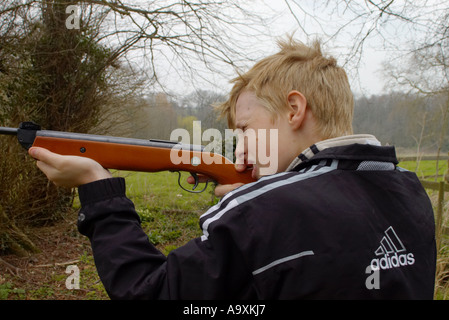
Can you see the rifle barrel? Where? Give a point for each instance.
(9, 131)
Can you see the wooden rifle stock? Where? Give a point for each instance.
(132, 154)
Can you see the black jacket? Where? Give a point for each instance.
(346, 223)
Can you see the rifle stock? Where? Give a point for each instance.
(130, 154)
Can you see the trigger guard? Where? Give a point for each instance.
(194, 175)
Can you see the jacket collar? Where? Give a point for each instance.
(353, 147)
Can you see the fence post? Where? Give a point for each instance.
(446, 176)
(440, 206)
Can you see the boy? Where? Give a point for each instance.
(335, 219)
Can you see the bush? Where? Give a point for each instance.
(60, 79)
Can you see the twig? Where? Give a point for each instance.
(13, 269)
(56, 264)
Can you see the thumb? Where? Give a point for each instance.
(240, 167)
(221, 190)
(44, 155)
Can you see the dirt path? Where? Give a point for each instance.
(42, 276)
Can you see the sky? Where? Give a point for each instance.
(307, 23)
(351, 31)
(364, 35)
(341, 30)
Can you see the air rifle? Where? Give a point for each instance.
(131, 154)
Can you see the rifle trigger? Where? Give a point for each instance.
(197, 180)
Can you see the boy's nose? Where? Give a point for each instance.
(240, 152)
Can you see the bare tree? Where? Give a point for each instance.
(400, 28)
(173, 39)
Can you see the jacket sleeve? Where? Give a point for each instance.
(130, 267)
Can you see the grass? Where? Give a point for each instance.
(169, 216)
(426, 169)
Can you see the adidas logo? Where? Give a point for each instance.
(391, 253)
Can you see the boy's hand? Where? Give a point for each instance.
(68, 171)
(221, 189)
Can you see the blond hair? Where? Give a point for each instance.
(298, 67)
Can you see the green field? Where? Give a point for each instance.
(170, 215)
(426, 169)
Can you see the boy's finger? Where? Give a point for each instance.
(223, 189)
(45, 156)
(201, 178)
(240, 167)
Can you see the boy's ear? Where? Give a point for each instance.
(297, 110)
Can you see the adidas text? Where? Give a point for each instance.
(393, 261)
